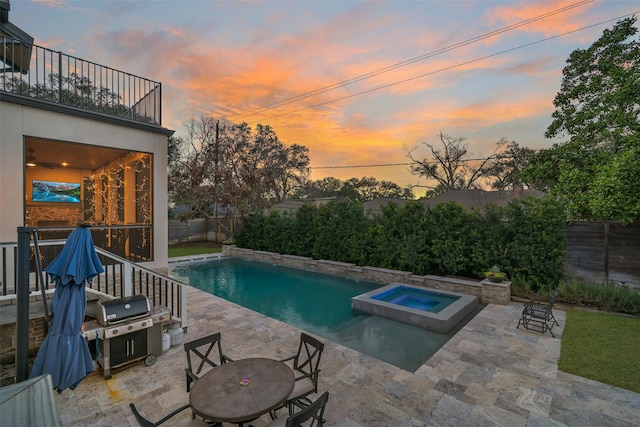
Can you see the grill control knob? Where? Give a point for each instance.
(130, 327)
(144, 324)
(114, 331)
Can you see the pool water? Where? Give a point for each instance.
(416, 298)
(317, 303)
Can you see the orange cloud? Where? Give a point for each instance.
(555, 23)
(221, 79)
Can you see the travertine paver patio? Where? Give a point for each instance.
(489, 374)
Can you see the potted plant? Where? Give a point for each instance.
(495, 275)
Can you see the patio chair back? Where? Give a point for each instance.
(313, 412)
(538, 316)
(143, 422)
(202, 354)
(306, 367)
(307, 360)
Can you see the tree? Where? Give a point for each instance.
(597, 105)
(257, 168)
(595, 173)
(227, 164)
(280, 168)
(294, 171)
(506, 169)
(368, 188)
(173, 149)
(324, 187)
(450, 167)
(190, 170)
(357, 189)
(74, 90)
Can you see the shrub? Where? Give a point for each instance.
(526, 238)
(608, 297)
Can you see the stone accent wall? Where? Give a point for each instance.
(54, 216)
(487, 292)
(496, 293)
(462, 286)
(37, 333)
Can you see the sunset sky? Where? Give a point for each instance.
(357, 82)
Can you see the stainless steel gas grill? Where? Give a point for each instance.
(121, 310)
(127, 330)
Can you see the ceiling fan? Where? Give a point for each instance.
(31, 161)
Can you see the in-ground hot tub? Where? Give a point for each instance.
(432, 309)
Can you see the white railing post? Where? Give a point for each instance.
(128, 279)
(183, 306)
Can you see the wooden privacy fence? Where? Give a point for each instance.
(603, 252)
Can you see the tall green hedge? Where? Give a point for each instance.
(525, 238)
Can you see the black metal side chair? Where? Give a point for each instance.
(143, 422)
(306, 366)
(539, 317)
(313, 412)
(203, 353)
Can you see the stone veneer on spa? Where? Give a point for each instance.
(442, 321)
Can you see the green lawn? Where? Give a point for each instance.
(602, 347)
(197, 250)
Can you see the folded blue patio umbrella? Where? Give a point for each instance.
(64, 352)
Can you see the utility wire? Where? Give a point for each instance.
(444, 69)
(388, 164)
(361, 166)
(410, 61)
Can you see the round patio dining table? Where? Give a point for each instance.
(242, 390)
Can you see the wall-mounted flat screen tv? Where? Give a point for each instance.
(55, 192)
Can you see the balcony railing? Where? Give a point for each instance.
(40, 73)
(120, 278)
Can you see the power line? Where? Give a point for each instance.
(388, 164)
(444, 69)
(412, 60)
(361, 166)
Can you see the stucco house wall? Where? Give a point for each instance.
(18, 121)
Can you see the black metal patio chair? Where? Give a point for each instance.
(203, 353)
(306, 366)
(539, 317)
(313, 412)
(144, 422)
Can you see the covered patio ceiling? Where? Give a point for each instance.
(56, 154)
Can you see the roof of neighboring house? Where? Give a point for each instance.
(292, 205)
(375, 206)
(471, 199)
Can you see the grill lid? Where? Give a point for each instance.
(122, 309)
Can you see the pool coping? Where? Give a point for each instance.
(486, 292)
(442, 321)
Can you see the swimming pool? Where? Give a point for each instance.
(315, 302)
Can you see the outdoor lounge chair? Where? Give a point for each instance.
(313, 412)
(203, 352)
(306, 367)
(539, 317)
(143, 422)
